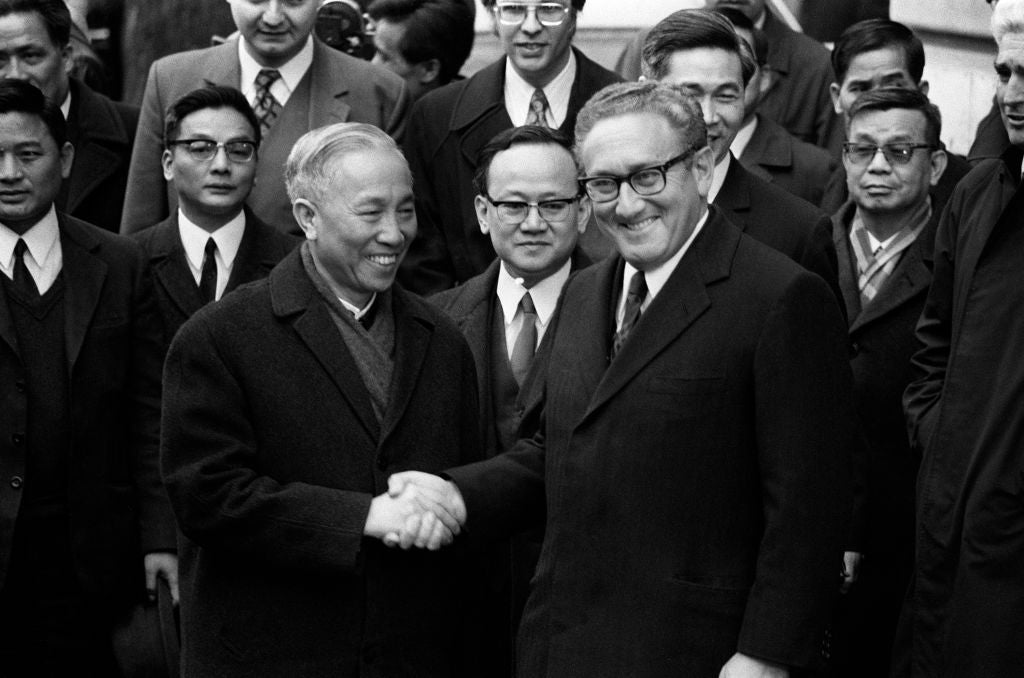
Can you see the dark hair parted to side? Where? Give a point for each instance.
(576, 4)
(54, 13)
(18, 96)
(742, 21)
(671, 102)
(888, 98)
(692, 29)
(434, 29)
(214, 96)
(516, 136)
(875, 34)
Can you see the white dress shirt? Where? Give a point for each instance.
(743, 137)
(518, 93)
(544, 294)
(228, 238)
(43, 258)
(291, 72)
(718, 178)
(656, 277)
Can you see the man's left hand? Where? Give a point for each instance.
(745, 666)
(164, 565)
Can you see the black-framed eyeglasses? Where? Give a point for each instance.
(515, 13)
(515, 212)
(202, 150)
(645, 181)
(895, 154)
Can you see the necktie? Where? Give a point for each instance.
(634, 299)
(22, 278)
(267, 108)
(526, 342)
(208, 276)
(538, 114)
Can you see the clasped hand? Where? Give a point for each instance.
(419, 509)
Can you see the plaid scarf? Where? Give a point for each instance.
(875, 267)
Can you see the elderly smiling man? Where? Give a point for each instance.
(289, 403)
(692, 459)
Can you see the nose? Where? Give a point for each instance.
(13, 69)
(531, 24)
(533, 222)
(1013, 93)
(879, 163)
(708, 108)
(10, 167)
(390, 232)
(220, 162)
(272, 14)
(629, 203)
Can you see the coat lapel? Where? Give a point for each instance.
(847, 275)
(682, 300)
(767, 148)
(7, 333)
(293, 295)
(98, 132)
(472, 310)
(413, 332)
(255, 258)
(324, 108)
(734, 196)
(170, 267)
(84, 274)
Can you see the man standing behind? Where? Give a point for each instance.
(541, 80)
(213, 243)
(884, 237)
(34, 46)
(964, 410)
(288, 404)
(423, 41)
(700, 51)
(84, 521)
(293, 82)
(529, 204)
(693, 455)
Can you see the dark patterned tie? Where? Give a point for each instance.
(634, 299)
(208, 276)
(538, 114)
(267, 108)
(22, 278)
(526, 342)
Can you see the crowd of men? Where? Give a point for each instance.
(704, 367)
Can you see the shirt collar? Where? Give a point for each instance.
(743, 137)
(291, 72)
(718, 178)
(759, 22)
(65, 107)
(40, 239)
(228, 238)
(544, 294)
(658, 276)
(518, 93)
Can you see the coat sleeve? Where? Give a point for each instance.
(934, 329)
(805, 428)
(145, 200)
(211, 469)
(156, 521)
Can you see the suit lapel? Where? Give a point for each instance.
(847, 274)
(328, 89)
(473, 312)
(253, 260)
(413, 332)
(293, 295)
(734, 195)
(223, 68)
(84, 274)
(7, 333)
(682, 300)
(170, 267)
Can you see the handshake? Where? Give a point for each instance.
(419, 509)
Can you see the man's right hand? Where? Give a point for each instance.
(439, 515)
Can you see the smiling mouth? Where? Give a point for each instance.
(383, 259)
(638, 225)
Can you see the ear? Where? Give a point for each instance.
(923, 87)
(67, 159)
(481, 206)
(67, 58)
(584, 208)
(939, 162)
(429, 71)
(833, 91)
(307, 217)
(167, 161)
(703, 168)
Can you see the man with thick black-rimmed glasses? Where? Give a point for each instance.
(212, 243)
(540, 80)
